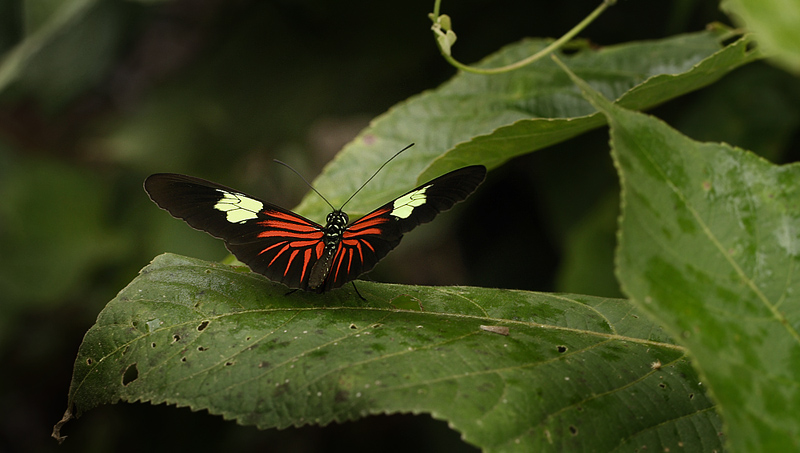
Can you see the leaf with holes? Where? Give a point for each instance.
(510, 370)
(710, 245)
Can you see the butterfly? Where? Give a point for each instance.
(298, 252)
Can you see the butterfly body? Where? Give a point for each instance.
(290, 249)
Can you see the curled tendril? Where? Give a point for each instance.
(446, 37)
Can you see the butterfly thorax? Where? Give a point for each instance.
(336, 223)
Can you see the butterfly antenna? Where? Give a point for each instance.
(374, 174)
(306, 181)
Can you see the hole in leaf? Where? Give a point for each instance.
(202, 326)
(567, 50)
(341, 396)
(353, 326)
(562, 349)
(183, 359)
(89, 361)
(730, 40)
(573, 430)
(176, 338)
(691, 396)
(202, 348)
(130, 375)
(228, 363)
(153, 344)
(662, 385)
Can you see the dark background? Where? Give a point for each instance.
(218, 89)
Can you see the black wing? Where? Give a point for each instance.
(367, 240)
(272, 241)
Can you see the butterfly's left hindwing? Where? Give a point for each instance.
(293, 250)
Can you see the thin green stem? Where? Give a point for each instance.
(436, 5)
(526, 61)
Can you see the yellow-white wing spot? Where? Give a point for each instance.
(404, 206)
(239, 207)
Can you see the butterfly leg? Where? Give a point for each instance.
(359, 294)
(290, 292)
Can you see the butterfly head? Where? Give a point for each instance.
(338, 218)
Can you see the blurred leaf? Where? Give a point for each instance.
(574, 373)
(67, 48)
(52, 230)
(774, 23)
(489, 120)
(709, 242)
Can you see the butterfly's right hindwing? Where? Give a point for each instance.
(271, 240)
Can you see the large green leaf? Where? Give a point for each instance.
(491, 119)
(708, 245)
(572, 372)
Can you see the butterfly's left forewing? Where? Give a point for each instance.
(271, 240)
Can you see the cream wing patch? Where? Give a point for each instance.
(404, 206)
(239, 208)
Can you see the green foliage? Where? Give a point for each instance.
(699, 239)
(574, 372)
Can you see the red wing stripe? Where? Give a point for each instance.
(367, 244)
(338, 261)
(291, 226)
(295, 244)
(359, 225)
(357, 244)
(287, 234)
(376, 213)
(349, 233)
(285, 216)
(285, 248)
(289, 264)
(306, 260)
(367, 225)
(272, 247)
